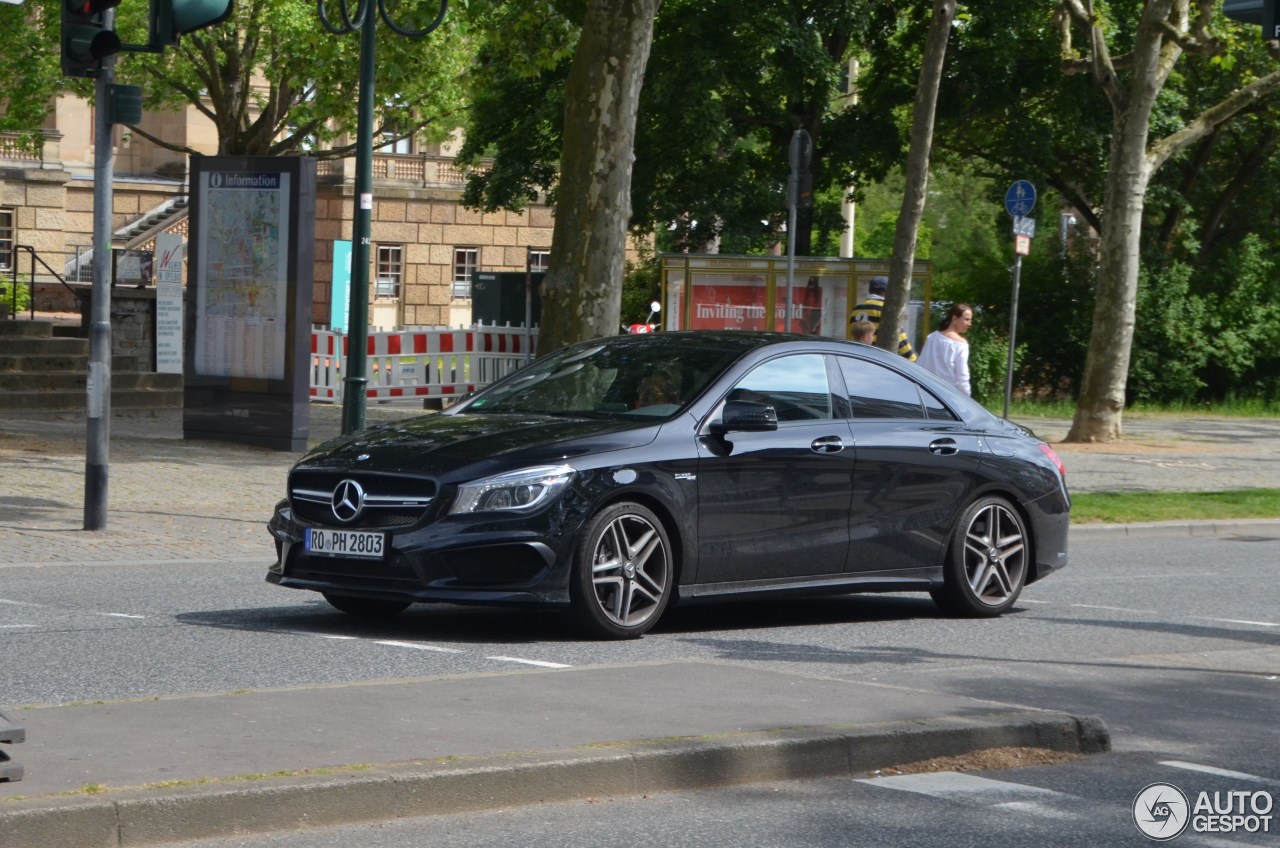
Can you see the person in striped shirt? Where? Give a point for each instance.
(870, 309)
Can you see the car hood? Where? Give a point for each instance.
(438, 444)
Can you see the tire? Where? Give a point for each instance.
(987, 561)
(622, 574)
(374, 608)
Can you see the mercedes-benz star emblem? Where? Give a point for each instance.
(348, 501)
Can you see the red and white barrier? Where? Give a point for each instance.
(422, 363)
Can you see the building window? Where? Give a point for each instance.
(6, 238)
(538, 260)
(390, 270)
(391, 144)
(465, 261)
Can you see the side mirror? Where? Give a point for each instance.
(745, 416)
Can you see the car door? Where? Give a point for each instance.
(775, 505)
(917, 468)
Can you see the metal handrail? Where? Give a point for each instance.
(35, 257)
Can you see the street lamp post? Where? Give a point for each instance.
(364, 19)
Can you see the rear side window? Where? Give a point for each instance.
(934, 408)
(878, 392)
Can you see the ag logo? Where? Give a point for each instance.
(1161, 811)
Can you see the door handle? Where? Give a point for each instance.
(827, 444)
(944, 447)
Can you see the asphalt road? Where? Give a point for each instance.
(80, 633)
(1174, 643)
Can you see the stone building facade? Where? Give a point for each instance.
(425, 249)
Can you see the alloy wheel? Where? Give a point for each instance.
(630, 570)
(995, 554)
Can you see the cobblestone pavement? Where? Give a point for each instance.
(171, 499)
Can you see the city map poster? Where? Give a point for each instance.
(243, 272)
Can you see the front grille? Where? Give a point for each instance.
(388, 501)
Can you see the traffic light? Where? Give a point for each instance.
(173, 18)
(85, 40)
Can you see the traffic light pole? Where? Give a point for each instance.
(89, 44)
(98, 388)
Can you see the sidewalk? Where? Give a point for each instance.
(469, 742)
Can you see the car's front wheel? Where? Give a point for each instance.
(987, 561)
(365, 607)
(623, 572)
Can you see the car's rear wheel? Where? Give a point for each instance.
(365, 607)
(987, 561)
(622, 579)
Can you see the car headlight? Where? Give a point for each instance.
(515, 491)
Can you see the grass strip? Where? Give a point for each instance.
(1138, 507)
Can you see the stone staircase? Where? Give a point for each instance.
(42, 371)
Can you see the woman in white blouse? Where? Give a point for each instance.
(946, 350)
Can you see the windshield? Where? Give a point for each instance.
(610, 378)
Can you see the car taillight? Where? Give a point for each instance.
(1054, 458)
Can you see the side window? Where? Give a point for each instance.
(795, 386)
(877, 392)
(934, 408)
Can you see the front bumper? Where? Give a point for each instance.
(459, 559)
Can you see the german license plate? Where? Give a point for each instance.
(358, 544)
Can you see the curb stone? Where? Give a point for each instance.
(141, 816)
(1200, 529)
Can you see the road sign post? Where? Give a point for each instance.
(1019, 200)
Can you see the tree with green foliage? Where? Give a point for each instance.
(270, 78)
(727, 84)
(1158, 173)
(30, 66)
(1130, 60)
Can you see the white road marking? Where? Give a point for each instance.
(1244, 621)
(952, 785)
(1115, 609)
(540, 663)
(17, 625)
(1234, 775)
(1035, 808)
(63, 609)
(416, 646)
(317, 635)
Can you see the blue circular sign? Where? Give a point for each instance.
(1020, 199)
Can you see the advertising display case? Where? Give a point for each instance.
(718, 292)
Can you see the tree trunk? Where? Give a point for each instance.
(582, 292)
(1100, 407)
(903, 260)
